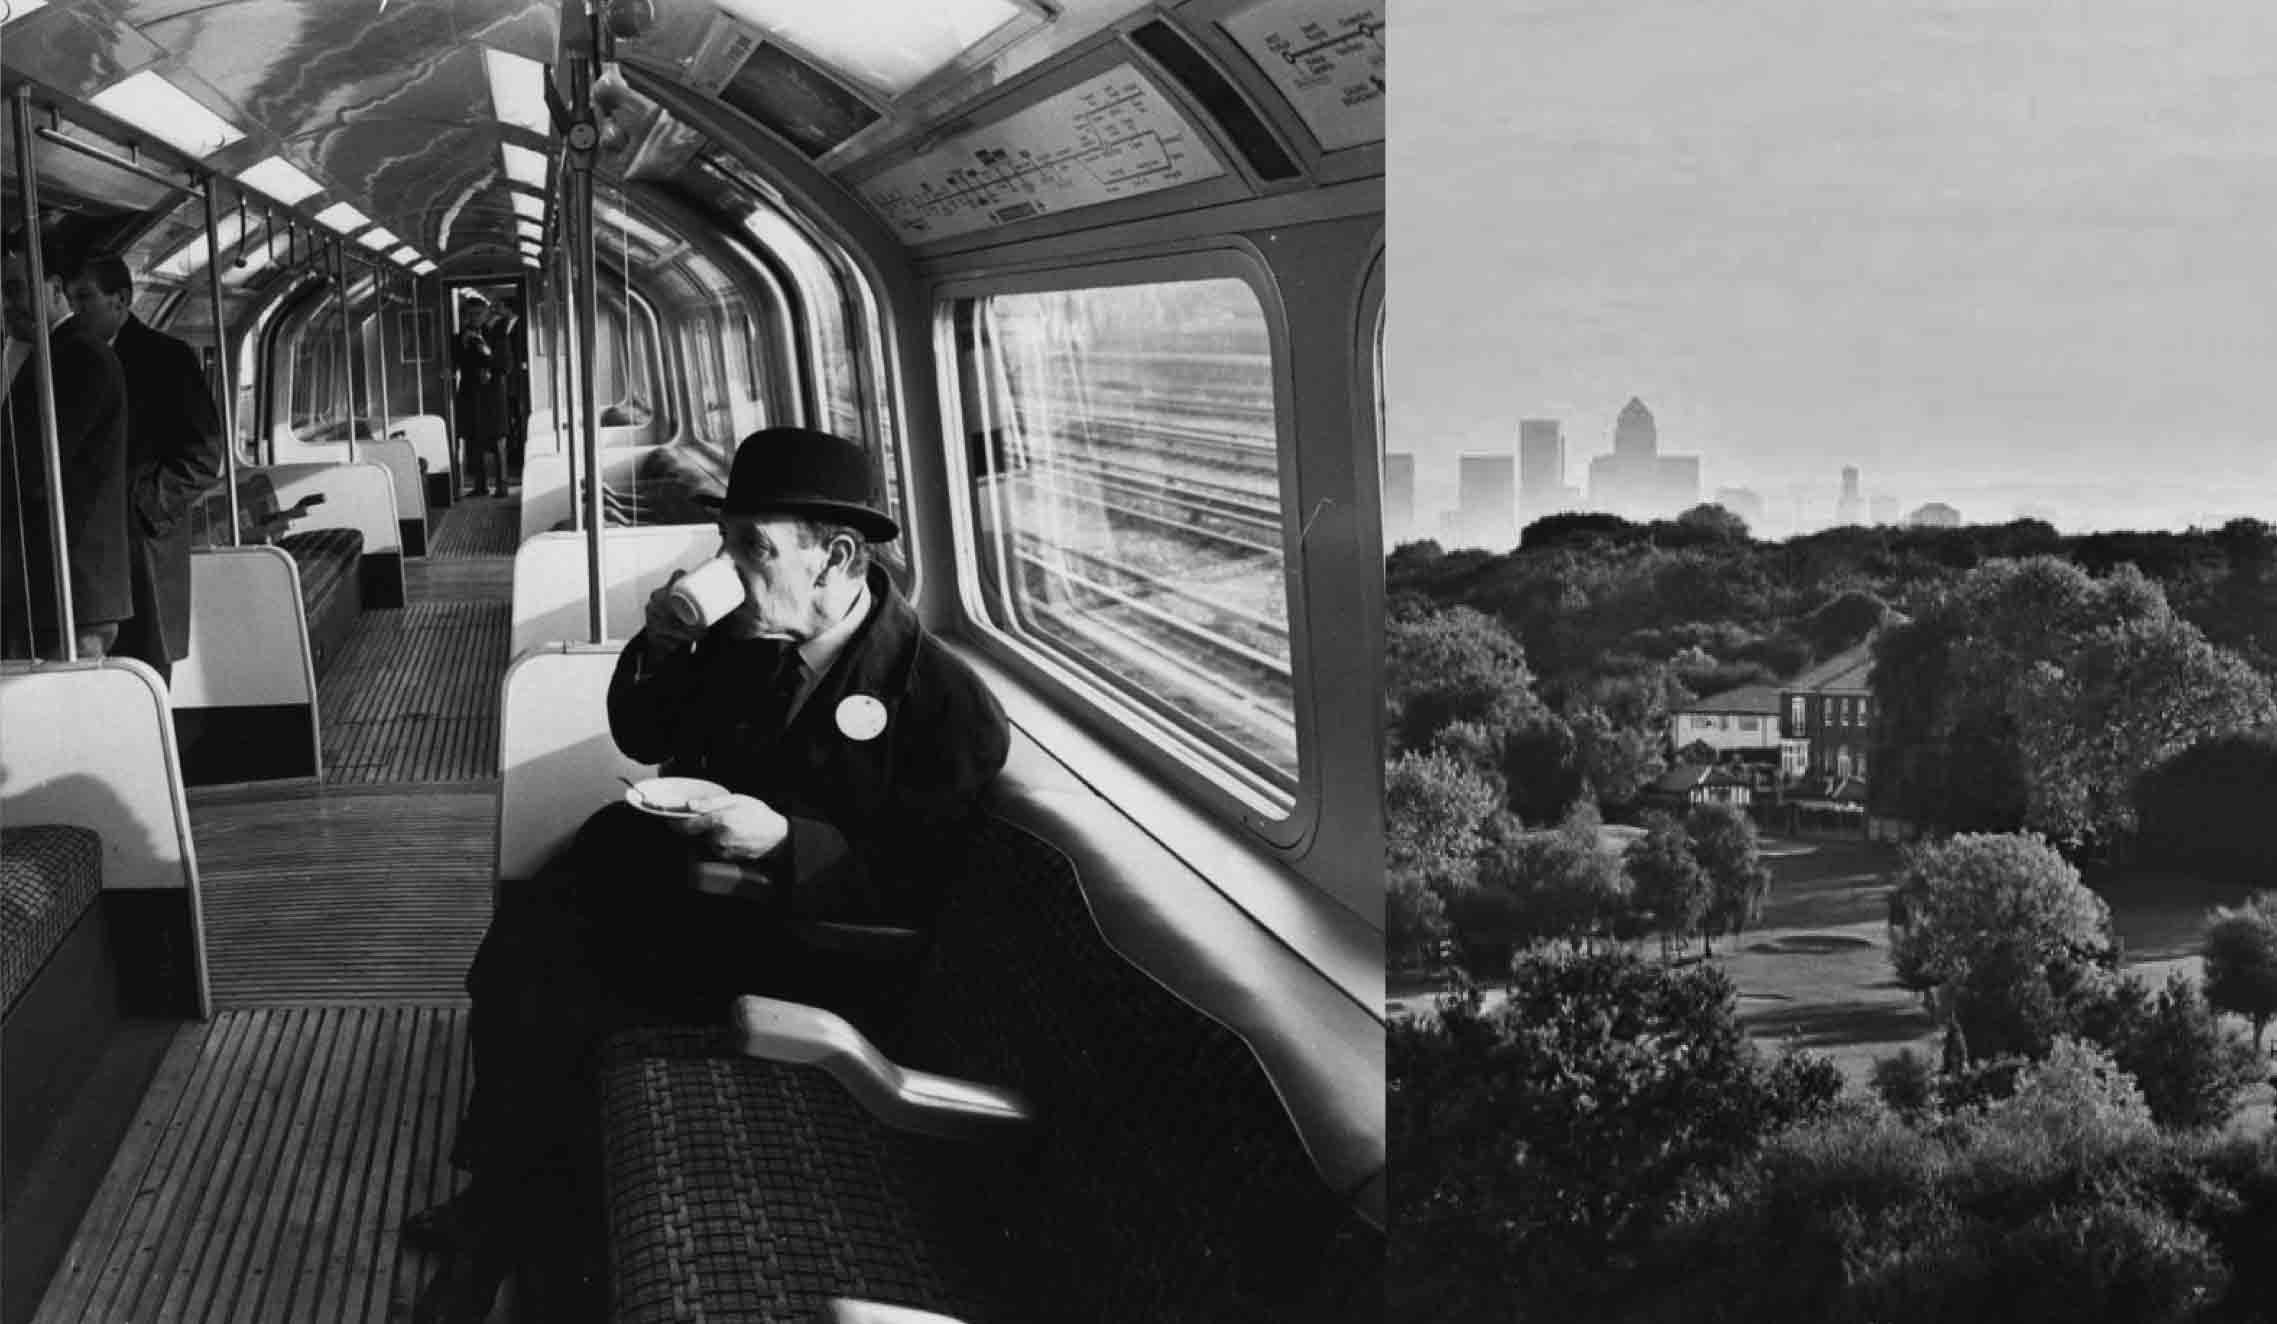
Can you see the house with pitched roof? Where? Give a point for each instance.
(1826, 718)
(1734, 721)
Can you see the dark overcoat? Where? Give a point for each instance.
(875, 822)
(91, 425)
(480, 398)
(174, 457)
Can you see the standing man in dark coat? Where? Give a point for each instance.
(510, 351)
(854, 750)
(174, 456)
(479, 401)
(91, 420)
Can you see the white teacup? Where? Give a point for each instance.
(705, 595)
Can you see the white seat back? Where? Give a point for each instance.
(557, 763)
(551, 581)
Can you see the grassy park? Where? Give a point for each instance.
(1815, 972)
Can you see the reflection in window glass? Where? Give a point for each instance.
(1126, 492)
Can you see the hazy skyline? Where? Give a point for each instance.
(1998, 249)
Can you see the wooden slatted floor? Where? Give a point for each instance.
(478, 526)
(275, 1156)
(268, 1170)
(324, 894)
(413, 696)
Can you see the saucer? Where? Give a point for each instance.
(669, 797)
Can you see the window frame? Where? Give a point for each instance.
(1201, 774)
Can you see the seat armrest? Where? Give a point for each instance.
(847, 1310)
(777, 1031)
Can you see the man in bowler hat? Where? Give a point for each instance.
(854, 750)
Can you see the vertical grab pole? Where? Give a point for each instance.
(347, 345)
(379, 344)
(571, 434)
(418, 348)
(580, 217)
(221, 352)
(43, 370)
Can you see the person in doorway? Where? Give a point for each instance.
(91, 445)
(174, 457)
(510, 350)
(854, 750)
(478, 400)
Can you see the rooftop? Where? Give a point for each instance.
(1844, 673)
(1750, 700)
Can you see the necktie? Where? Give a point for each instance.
(782, 689)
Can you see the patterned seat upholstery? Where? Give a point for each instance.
(330, 591)
(49, 877)
(1163, 1181)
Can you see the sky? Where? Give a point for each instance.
(1993, 253)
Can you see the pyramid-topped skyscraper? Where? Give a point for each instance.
(1636, 481)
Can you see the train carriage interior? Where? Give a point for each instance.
(1098, 285)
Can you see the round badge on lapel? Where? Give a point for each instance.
(861, 717)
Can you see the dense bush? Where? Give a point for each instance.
(2213, 808)
(1540, 1144)
(2061, 1203)
(2241, 961)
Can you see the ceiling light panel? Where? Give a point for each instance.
(530, 262)
(892, 45)
(342, 217)
(524, 166)
(529, 229)
(15, 9)
(518, 91)
(167, 113)
(405, 256)
(378, 239)
(280, 179)
(527, 207)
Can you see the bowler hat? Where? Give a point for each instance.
(798, 471)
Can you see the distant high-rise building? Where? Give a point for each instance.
(1399, 498)
(1635, 433)
(1848, 508)
(1935, 515)
(1746, 504)
(1636, 481)
(1486, 495)
(1541, 468)
(1885, 509)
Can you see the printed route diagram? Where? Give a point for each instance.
(1109, 137)
(1329, 66)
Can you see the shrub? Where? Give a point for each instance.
(1906, 1082)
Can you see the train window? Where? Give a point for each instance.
(1125, 502)
(842, 329)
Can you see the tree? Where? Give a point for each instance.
(1709, 523)
(2241, 961)
(1844, 620)
(2191, 1070)
(1950, 686)
(2121, 702)
(1723, 841)
(1449, 666)
(1537, 887)
(1541, 1143)
(2213, 807)
(1669, 885)
(1542, 766)
(1957, 899)
(1433, 808)
(1617, 761)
